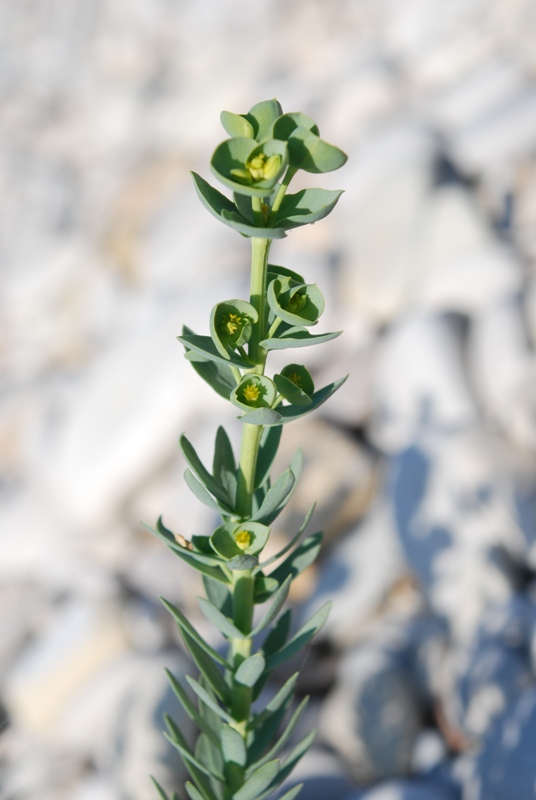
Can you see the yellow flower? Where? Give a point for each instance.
(230, 323)
(243, 539)
(251, 393)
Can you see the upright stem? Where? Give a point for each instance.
(259, 265)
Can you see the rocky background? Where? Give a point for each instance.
(423, 682)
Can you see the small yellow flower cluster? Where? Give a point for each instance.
(260, 168)
(251, 393)
(295, 378)
(230, 323)
(243, 539)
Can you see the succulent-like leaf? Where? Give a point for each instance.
(294, 756)
(236, 125)
(197, 488)
(205, 347)
(209, 752)
(287, 733)
(184, 625)
(286, 124)
(228, 213)
(298, 337)
(302, 557)
(289, 413)
(218, 377)
(279, 701)
(208, 669)
(295, 384)
(258, 781)
(190, 708)
(223, 623)
(268, 447)
(218, 594)
(193, 792)
(290, 544)
(277, 604)
(278, 635)
(196, 465)
(300, 639)
(161, 792)
(198, 772)
(201, 563)
(232, 746)
(262, 116)
(250, 670)
(224, 466)
(208, 700)
(292, 793)
(242, 561)
(312, 154)
(277, 496)
(306, 207)
(264, 588)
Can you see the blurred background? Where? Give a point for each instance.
(423, 464)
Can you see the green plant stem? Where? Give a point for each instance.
(281, 192)
(259, 265)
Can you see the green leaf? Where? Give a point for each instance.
(250, 670)
(268, 447)
(267, 725)
(262, 116)
(197, 488)
(290, 413)
(232, 746)
(277, 496)
(189, 707)
(298, 305)
(199, 562)
(262, 416)
(218, 377)
(258, 781)
(275, 271)
(300, 639)
(298, 337)
(278, 635)
(209, 753)
(307, 151)
(295, 755)
(207, 668)
(236, 221)
(302, 557)
(244, 205)
(287, 733)
(277, 604)
(291, 392)
(193, 792)
(292, 793)
(232, 159)
(198, 468)
(218, 594)
(184, 625)
(236, 125)
(207, 699)
(223, 623)
(264, 588)
(291, 543)
(287, 124)
(278, 702)
(306, 207)
(161, 792)
(198, 771)
(224, 466)
(204, 346)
